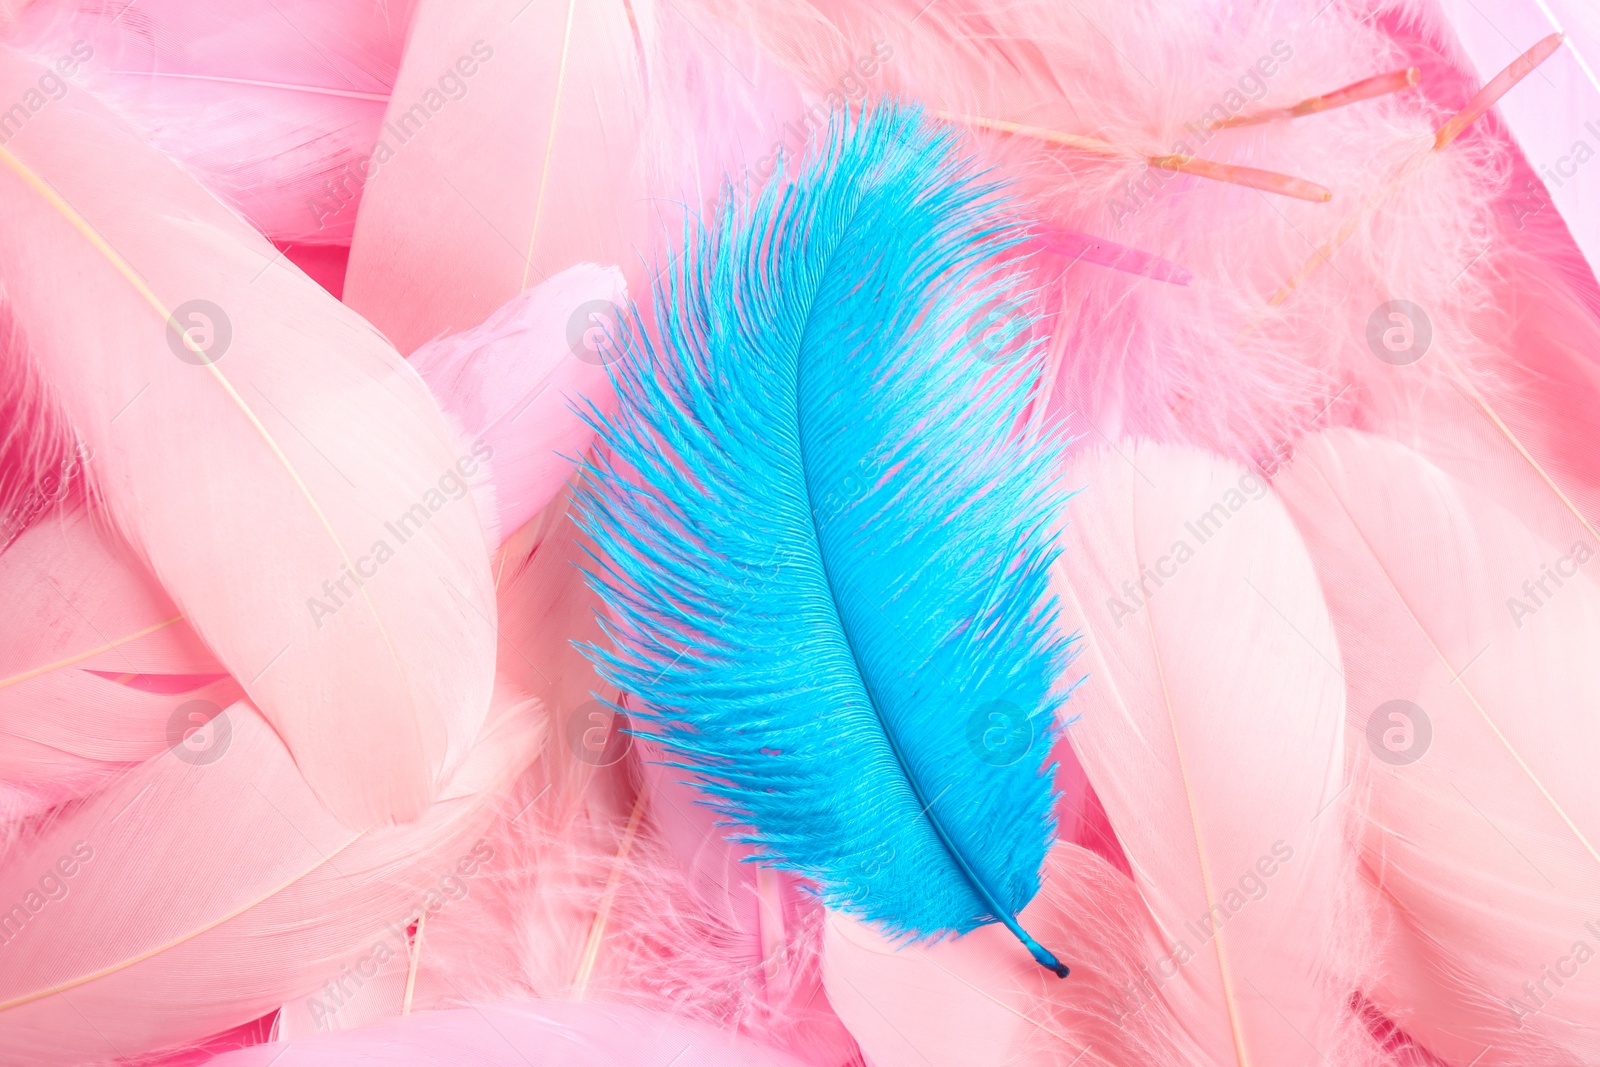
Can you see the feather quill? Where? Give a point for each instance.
(822, 550)
(1550, 116)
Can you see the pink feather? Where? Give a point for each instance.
(522, 383)
(1469, 690)
(1211, 721)
(531, 169)
(80, 698)
(514, 1035)
(252, 493)
(274, 105)
(210, 885)
(87, 620)
(978, 1001)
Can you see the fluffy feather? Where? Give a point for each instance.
(1211, 722)
(529, 171)
(840, 532)
(258, 447)
(1214, 363)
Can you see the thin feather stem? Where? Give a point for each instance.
(1366, 89)
(1230, 173)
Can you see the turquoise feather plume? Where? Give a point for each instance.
(823, 544)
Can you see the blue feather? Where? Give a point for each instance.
(822, 545)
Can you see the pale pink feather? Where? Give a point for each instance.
(262, 458)
(979, 1001)
(99, 660)
(274, 105)
(210, 884)
(1210, 719)
(86, 624)
(516, 1034)
(532, 168)
(1469, 656)
(524, 381)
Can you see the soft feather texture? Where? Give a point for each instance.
(1214, 363)
(528, 921)
(1483, 828)
(208, 890)
(835, 558)
(977, 1002)
(98, 658)
(1211, 722)
(519, 381)
(274, 104)
(513, 1035)
(86, 625)
(528, 171)
(299, 451)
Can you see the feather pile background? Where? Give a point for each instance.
(800, 533)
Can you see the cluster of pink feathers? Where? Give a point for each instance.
(295, 742)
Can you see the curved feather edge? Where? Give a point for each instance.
(277, 463)
(1211, 725)
(530, 171)
(100, 670)
(1471, 677)
(209, 885)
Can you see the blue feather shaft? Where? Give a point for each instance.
(824, 547)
